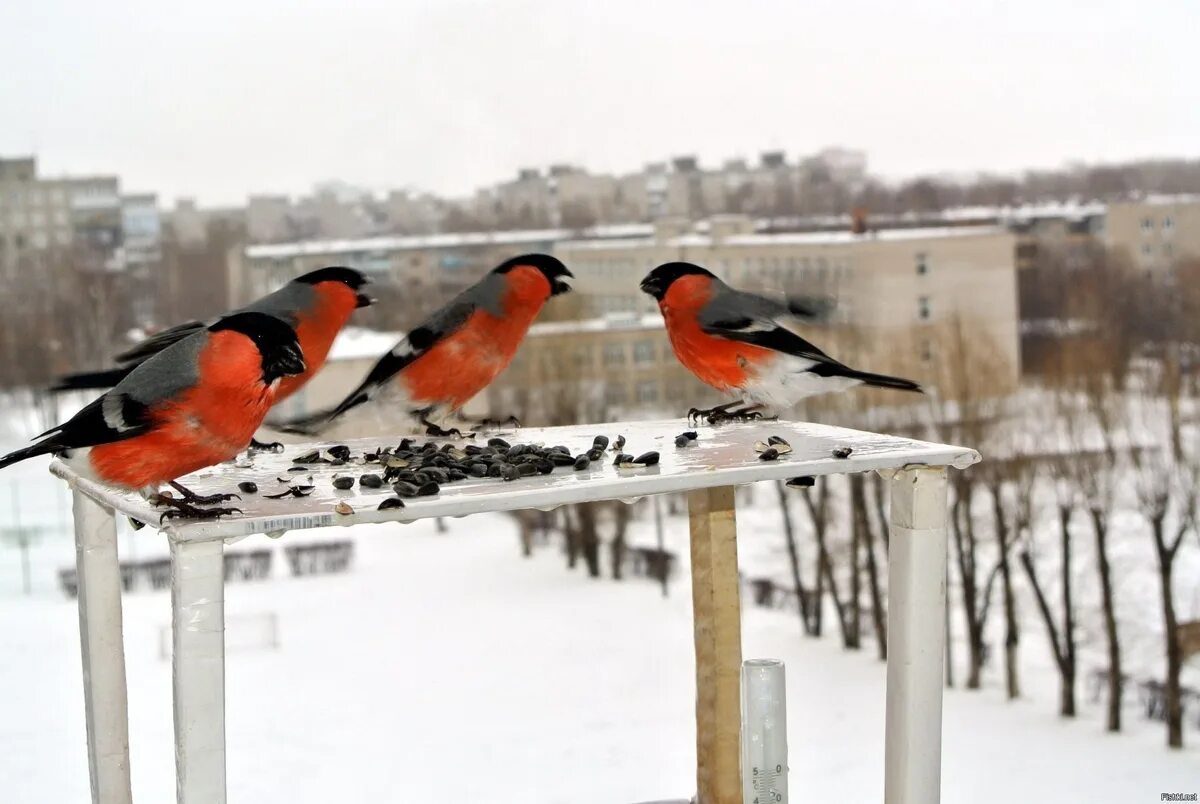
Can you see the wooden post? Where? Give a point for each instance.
(716, 613)
(916, 637)
(103, 650)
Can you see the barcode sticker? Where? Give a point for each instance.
(291, 523)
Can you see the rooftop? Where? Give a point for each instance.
(793, 238)
(448, 240)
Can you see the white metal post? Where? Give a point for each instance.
(916, 638)
(100, 643)
(198, 664)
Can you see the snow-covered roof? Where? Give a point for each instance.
(358, 343)
(445, 240)
(615, 322)
(791, 238)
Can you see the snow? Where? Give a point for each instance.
(693, 240)
(446, 240)
(358, 343)
(446, 660)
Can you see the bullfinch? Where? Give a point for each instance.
(459, 349)
(743, 344)
(195, 403)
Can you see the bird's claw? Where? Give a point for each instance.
(439, 432)
(264, 446)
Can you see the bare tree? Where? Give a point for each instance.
(1165, 479)
(789, 532)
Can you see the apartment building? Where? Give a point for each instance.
(1155, 232)
(39, 216)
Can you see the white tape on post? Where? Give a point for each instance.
(764, 732)
(198, 625)
(103, 650)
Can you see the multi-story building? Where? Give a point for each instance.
(39, 216)
(1155, 232)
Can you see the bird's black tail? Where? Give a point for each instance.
(91, 379)
(31, 451)
(884, 381)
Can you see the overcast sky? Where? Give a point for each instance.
(223, 98)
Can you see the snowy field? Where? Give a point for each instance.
(445, 666)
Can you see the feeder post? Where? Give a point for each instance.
(716, 612)
(916, 636)
(100, 641)
(198, 667)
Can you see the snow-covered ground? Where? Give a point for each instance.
(445, 666)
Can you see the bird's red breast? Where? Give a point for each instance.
(722, 363)
(462, 364)
(207, 424)
(316, 329)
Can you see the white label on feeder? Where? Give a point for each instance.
(764, 732)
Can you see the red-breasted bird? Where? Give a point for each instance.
(461, 348)
(317, 305)
(742, 344)
(194, 404)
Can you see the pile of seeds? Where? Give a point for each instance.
(419, 469)
(416, 469)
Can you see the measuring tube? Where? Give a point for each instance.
(764, 732)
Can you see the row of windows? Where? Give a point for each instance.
(19, 219)
(1167, 250)
(647, 392)
(37, 240)
(1168, 224)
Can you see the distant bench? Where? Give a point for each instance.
(771, 595)
(323, 558)
(650, 562)
(246, 565)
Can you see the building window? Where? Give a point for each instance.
(614, 394)
(1168, 223)
(923, 311)
(922, 264)
(647, 391)
(643, 352)
(1147, 225)
(926, 350)
(1146, 250)
(614, 354)
(1167, 250)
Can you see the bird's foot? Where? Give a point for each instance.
(496, 424)
(438, 431)
(729, 413)
(201, 499)
(183, 510)
(263, 446)
(697, 415)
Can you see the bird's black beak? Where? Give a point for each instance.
(651, 287)
(562, 283)
(291, 362)
(364, 300)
